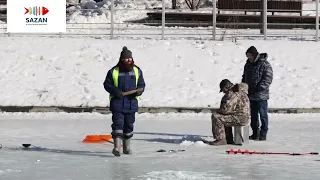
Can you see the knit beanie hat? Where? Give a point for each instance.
(125, 53)
(226, 83)
(252, 50)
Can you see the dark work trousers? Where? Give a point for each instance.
(122, 125)
(259, 108)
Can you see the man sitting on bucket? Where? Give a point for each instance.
(234, 111)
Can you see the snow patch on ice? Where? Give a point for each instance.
(183, 175)
(190, 140)
(191, 143)
(9, 171)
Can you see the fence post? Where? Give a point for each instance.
(265, 18)
(317, 20)
(214, 19)
(111, 17)
(163, 19)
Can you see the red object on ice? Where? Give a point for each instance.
(98, 138)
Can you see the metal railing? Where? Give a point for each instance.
(110, 25)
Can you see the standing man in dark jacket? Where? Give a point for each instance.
(125, 83)
(258, 74)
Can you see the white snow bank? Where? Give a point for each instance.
(70, 72)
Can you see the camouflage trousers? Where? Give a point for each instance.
(220, 121)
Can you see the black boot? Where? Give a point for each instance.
(263, 136)
(255, 135)
(229, 135)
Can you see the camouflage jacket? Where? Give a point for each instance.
(236, 101)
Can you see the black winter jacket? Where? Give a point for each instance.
(259, 76)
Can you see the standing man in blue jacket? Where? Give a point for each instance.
(125, 83)
(258, 74)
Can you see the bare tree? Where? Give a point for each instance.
(193, 4)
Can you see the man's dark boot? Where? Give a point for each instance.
(229, 135)
(255, 135)
(263, 137)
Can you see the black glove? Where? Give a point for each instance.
(119, 95)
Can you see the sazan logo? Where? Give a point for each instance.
(36, 11)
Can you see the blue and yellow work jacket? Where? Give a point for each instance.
(118, 81)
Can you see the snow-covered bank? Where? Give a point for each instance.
(70, 72)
